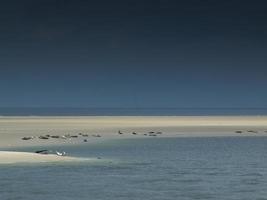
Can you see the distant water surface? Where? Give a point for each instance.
(129, 111)
(151, 169)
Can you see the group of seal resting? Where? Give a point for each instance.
(45, 151)
(248, 131)
(150, 133)
(68, 136)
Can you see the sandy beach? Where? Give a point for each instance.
(13, 129)
(11, 157)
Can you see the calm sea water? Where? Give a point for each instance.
(61, 111)
(150, 169)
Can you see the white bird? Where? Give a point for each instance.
(61, 154)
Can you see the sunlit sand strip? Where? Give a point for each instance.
(13, 129)
(9, 157)
(94, 122)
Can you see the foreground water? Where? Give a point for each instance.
(152, 168)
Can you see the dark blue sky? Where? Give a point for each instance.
(161, 53)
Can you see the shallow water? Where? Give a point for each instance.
(152, 168)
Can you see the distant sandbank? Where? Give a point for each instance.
(44, 131)
(13, 129)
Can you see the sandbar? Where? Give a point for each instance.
(10, 157)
